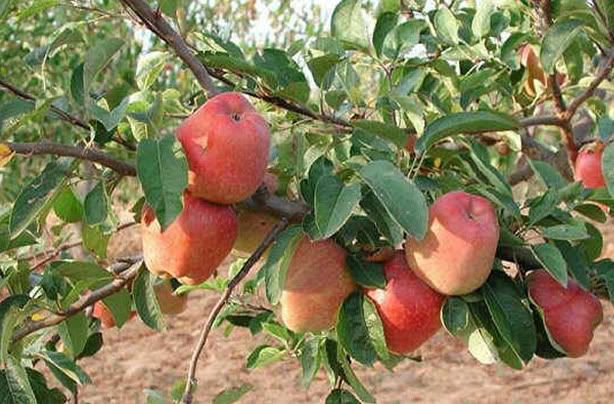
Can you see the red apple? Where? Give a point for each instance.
(457, 253)
(570, 314)
(316, 284)
(226, 142)
(588, 166)
(408, 307)
(102, 313)
(193, 246)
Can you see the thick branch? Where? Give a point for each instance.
(89, 154)
(128, 268)
(157, 23)
(204, 334)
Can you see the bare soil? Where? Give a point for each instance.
(136, 358)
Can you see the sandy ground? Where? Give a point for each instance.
(137, 358)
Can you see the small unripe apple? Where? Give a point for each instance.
(170, 303)
(194, 245)
(408, 307)
(226, 142)
(316, 284)
(570, 314)
(457, 253)
(588, 168)
(102, 313)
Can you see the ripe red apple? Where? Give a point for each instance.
(457, 253)
(169, 302)
(588, 166)
(226, 142)
(102, 313)
(408, 307)
(193, 246)
(316, 284)
(571, 315)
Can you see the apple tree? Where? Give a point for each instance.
(411, 166)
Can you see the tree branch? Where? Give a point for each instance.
(602, 74)
(127, 269)
(158, 25)
(89, 154)
(204, 334)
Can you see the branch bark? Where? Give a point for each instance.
(234, 282)
(126, 268)
(602, 74)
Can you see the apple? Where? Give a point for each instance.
(226, 142)
(170, 303)
(316, 285)
(104, 314)
(570, 314)
(254, 226)
(194, 245)
(530, 61)
(588, 166)
(408, 307)
(457, 253)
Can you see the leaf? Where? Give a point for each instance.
(341, 396)
(385, 23)
(349, 26)
(5, 7)
(65, 365)
(446, 26)
(95, 240)
(556, 41)
(481, 21)
(96, 204)
(455, 315)
(10, 316)
(550, 177)
(233, 394)
(120, 305)
(333, 204)
(43, 394)
(321, 68)
(163, 174)
(78, 271)
(97, 58)
(464, 122)
(146, 301)
(264, 355)
(403, 38)
(36, 195)
(375, 329)
(352, 330)
(352, 379)
(276, 267)
(169, 7)
(74, 332)
(377, 213)
(479, 156)
(552, 260)
(67, 206)
(17, 381)
(592, 211)
(310, 360)
(511, 317)
(366, 274)
(386, 131)
(576, 231)
(401, 198)
(607, 163)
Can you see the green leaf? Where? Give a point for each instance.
(322, 67)
(511, 317)
(377, 213)
(67, 206)
(464, 122)
(169, 7)
(92, 345)
(403, 38)
(385, 23)
(276, 267)
(455, 315)
(576, 231)
(366, 274)
(481, 21)
(65, 365)
(43, 394)
(79, 271)
(592, 211)
(481, 159)
(19, 388)
(233, 394)
(552, 260)
(556, 41)
(607, 164)
(35, 8)
(96, 204)
(352, 330)
(10, 316)
(446, 26)
(401, 198)
(549, 176)
(310, 360)
(77, 89)
(386, 131)
(333, 204)
(146, 302)
(264, 355)
(352, 379)
(97, 58)
(341, 396)
(375, 329)
(163, 173)
(95, 240)
(74, 332)
(120, 304)
(35, 197)
(349, 26)
(5, 7)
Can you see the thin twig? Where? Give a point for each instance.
(206, 329)
(602, 74)
(129, 269)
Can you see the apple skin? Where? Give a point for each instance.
(226, 142)
(571, 315)
(102, 313)
(316, 284)
(194, 245)
(457, 253)
(408, 307)
(588, 168)
(169, 302)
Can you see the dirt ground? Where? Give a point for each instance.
(137, 358)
